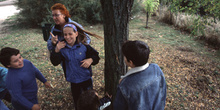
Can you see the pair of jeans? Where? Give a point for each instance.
(78, 88)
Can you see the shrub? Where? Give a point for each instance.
(34, 13)
(210, 33)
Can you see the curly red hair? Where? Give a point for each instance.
(62, 8)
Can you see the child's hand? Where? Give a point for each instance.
(48, 85)
(54, 39)
(60, 45)
(35, 107)
(86, 63)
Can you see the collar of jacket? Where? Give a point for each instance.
(135, 70)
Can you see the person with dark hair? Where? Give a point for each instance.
(4, 94)
(21, 79)
(143, 87)
(89, 100)
(60, 16)
(77, 58)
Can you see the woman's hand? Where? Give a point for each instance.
(54, 39)
(60, 45)
(86, 63)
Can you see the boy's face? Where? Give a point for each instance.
(16, 61)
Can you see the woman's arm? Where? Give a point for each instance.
(92, 53)
(55, 58)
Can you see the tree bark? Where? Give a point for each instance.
(147, 16)
(115, 21)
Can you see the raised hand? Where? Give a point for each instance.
(54, 39)
(60, 45)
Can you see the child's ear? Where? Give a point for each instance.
(131, 64)
(77, 33)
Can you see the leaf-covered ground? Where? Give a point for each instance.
(191, 67)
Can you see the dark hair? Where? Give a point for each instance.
(136, 51)
(88, 100)
(82, 34)
(5, 55)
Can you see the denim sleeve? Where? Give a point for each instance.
(120, 103)
(3, 74)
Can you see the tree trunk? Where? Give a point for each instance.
(115, 21)
(147, 16)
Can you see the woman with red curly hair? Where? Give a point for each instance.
(60, 16)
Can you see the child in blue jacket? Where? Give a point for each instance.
(77, 58)
(4, 94)
(21, 79)
(143, 87)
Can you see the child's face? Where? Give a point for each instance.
(70, 35)
(16, 61)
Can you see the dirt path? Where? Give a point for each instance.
(7, 9)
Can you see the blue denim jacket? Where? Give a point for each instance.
(143, 90)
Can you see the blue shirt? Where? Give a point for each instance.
(3, 74)
(22, 85)
(143, 90)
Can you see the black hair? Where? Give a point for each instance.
(136, 51)
(5, 55)
(88, 100)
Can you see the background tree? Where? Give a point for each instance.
(115, 20)
(150, 6)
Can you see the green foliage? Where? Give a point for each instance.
(150, 6)
(205, 12)
(136, 8)
(93, 12)
(37, 12)
(34, 12)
